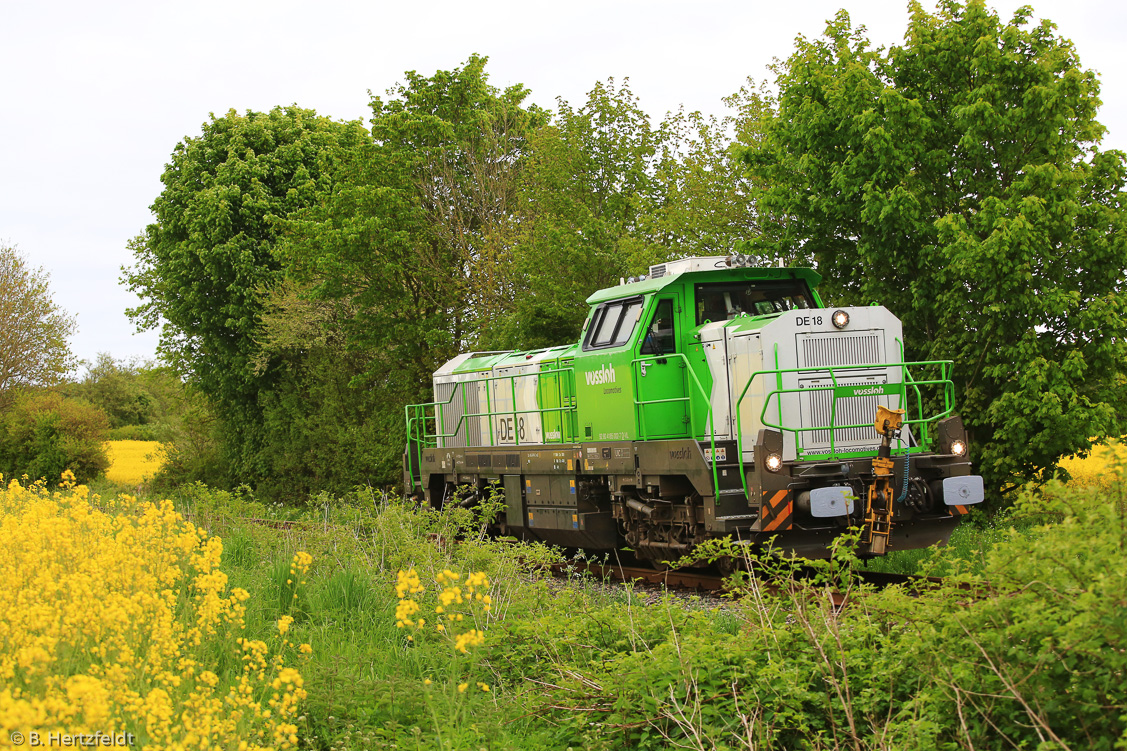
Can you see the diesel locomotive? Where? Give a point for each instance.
(704, 399)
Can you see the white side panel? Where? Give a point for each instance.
(459, 400)
(518, 422)
(456, 399)
(745, 358)
(715, 345)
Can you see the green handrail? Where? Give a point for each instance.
(417, 417)
(906, 379)
(638, 404)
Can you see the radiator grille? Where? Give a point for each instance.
(453, 410)
(841, 349)
(853, 410)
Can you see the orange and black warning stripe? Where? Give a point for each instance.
(776, 511)
(957, 510)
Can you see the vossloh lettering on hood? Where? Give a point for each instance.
(605, 374)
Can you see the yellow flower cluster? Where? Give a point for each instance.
(299, 568)
(471, 638)
(119, 622)
(454, 601)
(1101, 468)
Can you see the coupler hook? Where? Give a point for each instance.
(878, 510)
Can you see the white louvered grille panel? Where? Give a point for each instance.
(452, 411)
(844, 351)
(854, 410)
(837, 350)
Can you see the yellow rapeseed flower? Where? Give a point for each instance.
(116, 620)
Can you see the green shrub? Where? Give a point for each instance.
(46, 433)
(152, 432)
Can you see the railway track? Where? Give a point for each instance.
(713, 583)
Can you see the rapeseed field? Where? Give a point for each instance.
(133, 462)
(115, 618)
(1100, 468)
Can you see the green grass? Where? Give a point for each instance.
(593, 666)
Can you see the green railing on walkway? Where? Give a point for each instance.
(421, 416)
(840, 391)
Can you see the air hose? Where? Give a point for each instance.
(907, 471)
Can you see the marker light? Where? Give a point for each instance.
(774, 462)
(840, 319)
(958, 448)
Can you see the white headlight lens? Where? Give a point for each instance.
(840, 319)
(774, 462)
(958, 448)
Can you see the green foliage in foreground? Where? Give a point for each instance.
(1024, 646)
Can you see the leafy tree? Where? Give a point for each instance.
(958, 180)
(116, 388)
(33, 328)
(142, 401)
(606, 194)
(203, 268)
(580, 199)
(45, 433)
(701, 204)
(405, 259)
(331, 427)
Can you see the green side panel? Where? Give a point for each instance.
(556, 397)
(604, 394)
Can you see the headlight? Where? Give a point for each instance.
(840, 319)
(958, 448)
(773, 462)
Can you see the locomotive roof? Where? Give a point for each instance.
(653, 284)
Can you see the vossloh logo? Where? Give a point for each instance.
(603, 375)
(879, 390)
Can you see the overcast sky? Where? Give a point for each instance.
(94, 96)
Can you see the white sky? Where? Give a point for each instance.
(94, 96)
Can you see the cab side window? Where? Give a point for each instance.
(613, 324)
(661, 336)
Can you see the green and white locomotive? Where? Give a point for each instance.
(704, 400)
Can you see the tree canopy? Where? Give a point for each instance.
(34, 330)
(205, 266)
(958, 180)
(309, 275)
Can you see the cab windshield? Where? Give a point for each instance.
(722, 301)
